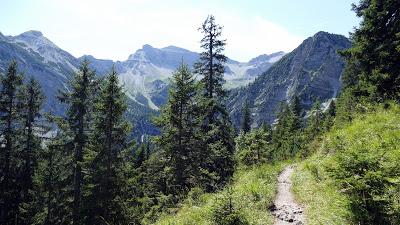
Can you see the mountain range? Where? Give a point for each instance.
(145, 74)
(311, 71)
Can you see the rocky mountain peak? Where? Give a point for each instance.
(311, 71)
(31, 33)
(271, 58)
(34, 40)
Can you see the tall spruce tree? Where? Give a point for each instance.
(329, 116)
(79, 99)
(287, 137)
(246, 119)
(31, 100)
(217, 155)
(314, 122)
(53, 177)
(296, 111)
(108, 183)
(9, 125)
(373, 60)
(179, 128)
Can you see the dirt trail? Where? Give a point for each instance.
(285, 209)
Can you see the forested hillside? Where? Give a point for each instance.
(326, 114)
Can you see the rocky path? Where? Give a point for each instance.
(285, 209)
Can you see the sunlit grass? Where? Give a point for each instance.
(368, 136)
(253, 190)
(322, 200)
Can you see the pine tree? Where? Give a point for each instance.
(373, 60)
(9, 124)
(211, 61)
(217, 155)
(329, 116)
(53, 177)
(106, 202)
(295, 109)
(31, 100)
(246, 120)
(80, 105)
(314, 122)
(280, 135)
(140, 155)
(178, 125)
(287, 137)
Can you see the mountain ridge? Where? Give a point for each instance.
(145, 74)
(312, 71)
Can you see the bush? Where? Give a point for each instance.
(225, 212)
(366, 165)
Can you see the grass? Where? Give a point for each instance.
(374, 135)
(323, 201)
(253, 190)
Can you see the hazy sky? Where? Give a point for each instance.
(114, 29)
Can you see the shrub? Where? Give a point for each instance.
(225, 212)
(365, 164)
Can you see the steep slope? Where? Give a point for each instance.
(311, 71)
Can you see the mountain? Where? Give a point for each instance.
(145, 74)
(311, 71)
(40, 58)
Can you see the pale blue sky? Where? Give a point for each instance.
(113, 29)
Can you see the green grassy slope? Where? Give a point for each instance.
(359, 154)
(253, 190)
(323, 201)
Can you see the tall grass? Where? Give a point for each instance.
(359, 157)
(252, 191)
(322, 199)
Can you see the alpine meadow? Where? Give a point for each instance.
(305, 132)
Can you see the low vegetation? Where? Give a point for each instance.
(354, 176)
(323, 201)
(251, 193)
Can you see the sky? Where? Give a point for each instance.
(114, 29)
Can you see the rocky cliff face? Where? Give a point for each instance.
(312, 71)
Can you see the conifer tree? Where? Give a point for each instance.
(246, 119)
(314, 122)
(31, 100)
(140, 155)
(373, 60)
(53, 177)
(80, 105)
(9, 124)
(211, 63)
(329, 116)
(280, 137)
(106, 202)
(296, 111)
(287, 136)
(217, 154)
(179, 127)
